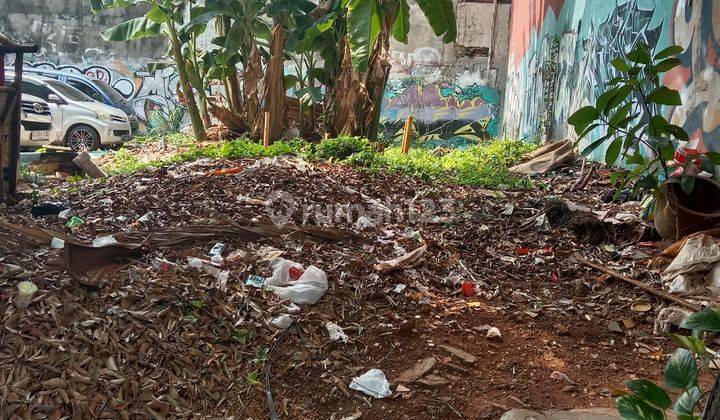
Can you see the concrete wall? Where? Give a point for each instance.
(450, 89)
(560, 53)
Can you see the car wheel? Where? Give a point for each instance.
(83, 138)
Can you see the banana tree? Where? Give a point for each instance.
(353, 37)
(164, 18)
(241, 26)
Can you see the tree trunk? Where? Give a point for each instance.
(342, 98)
(232, 82)
(195, 119)
(274, 95)
(379, 73)
(251, 80)
(356, 98)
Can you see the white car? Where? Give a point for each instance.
(79, 121)
(35, 122)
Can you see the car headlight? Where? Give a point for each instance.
(103, 116)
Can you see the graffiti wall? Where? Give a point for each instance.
(560, 53)
(453, 91)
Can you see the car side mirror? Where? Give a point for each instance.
(54, 99)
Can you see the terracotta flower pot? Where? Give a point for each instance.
(679, 214)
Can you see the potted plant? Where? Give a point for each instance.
(655, 155)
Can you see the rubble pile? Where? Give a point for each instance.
(255, 288)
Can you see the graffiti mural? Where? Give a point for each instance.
(454, 104)
(588, 35)
(445, 114)
(152, 93)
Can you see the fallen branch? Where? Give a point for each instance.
(655, 291)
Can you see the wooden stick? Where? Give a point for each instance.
(655, 291)
(407, 134)
(266, 130)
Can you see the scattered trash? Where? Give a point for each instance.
(689, 273)
(372, 383)
(194, 262)
(146, 217)
(668, 317)
(408, 260)
(47, 209)
(57, 243)
(399, 288)
(222, 279)
(84, 161)
(284, 271)
(26, 291)
(494, 333)
(65, 214)
(104, 241)
(308, 289)
(468, 288)
(218, 249)
(401, 388)
(236, 257)
(281, 322)
(640, 306)
(164, 266)
(411, 233)
(364, 223)
(74, 221)
(336, 332)
(255, 281)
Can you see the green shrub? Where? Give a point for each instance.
(339, 148)
(485, 164)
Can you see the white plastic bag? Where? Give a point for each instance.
(281, 322)
(336, 332)
(104, 241)
(281, 271)
(311, 286)
(372, 383)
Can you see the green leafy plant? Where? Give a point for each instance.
(649, 401)
(340, 148)
(630, 111)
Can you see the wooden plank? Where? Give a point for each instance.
(407, 134)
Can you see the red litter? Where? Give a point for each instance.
(295, 273)
(468, 288)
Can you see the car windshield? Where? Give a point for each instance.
(68, 91)
(110, 91)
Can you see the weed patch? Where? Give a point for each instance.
(485, 164)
